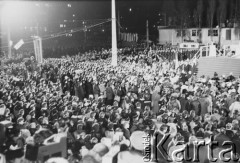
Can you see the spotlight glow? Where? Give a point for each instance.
(14, 11)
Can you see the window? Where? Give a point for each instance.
(213, 32)
(181, 33)
(209, 32)
(228, 34)
(194, 32)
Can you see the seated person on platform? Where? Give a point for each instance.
(228, 51)
(233, 53)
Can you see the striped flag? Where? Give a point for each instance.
(38, 49)
(19, 44)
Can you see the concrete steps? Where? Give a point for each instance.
(223, 66)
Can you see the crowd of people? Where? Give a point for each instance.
(106, 111)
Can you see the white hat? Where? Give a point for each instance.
(101, 149)
(90, 96)
(129, 157)
(137, 139)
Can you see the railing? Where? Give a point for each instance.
(197, 55)
(204, 51)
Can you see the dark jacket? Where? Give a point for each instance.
(196, 105)
(89, 88)
(109, 93)
(96, 89)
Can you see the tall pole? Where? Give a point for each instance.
(114, 35)
(85, 35)
(119, 26)
(37, 30)
(9, 42)
(1, 50)
(147, 34)
(165, 21)
(176, 59)
(235, 16)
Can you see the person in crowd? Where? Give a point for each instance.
(115, 106)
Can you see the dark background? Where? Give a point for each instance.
(50, 14)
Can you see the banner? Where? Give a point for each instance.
(19, 44)
(38, 49)
(129, 37)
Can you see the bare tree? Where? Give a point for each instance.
(168, 8)
(237, 19)
(211, 12)
(221, 11)
(197, 15)
(183, 17)
(221, 16)
(199, 11)
(232, 12)
(195, 18)
(237, 10)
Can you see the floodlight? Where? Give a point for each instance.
(14, 11)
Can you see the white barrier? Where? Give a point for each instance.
(56, 148)
(189, 45)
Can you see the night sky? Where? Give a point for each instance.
(133, 15)
(57, 12)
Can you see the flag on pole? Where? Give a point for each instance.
(38, 49)
(10, 43)
(19, 44)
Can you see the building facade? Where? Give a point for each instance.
(223, 36)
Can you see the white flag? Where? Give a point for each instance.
(38, 49)
(19, 44)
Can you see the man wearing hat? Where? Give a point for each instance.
(137, 149)
(174, 103)
(20, 123)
